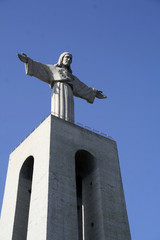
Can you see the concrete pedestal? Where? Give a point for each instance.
(64, 183)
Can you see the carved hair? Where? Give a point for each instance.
(59, 64)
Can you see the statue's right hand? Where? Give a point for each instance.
(23, 57)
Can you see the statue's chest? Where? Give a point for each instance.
(63, 73)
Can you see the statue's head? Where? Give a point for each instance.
(65, 59)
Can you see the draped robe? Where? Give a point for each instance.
(64, 86)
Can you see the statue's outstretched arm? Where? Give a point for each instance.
(81, 90)
(36, 69)
(100, 95)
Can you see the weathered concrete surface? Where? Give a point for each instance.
(105, 203)
(36, 145)
(53, 205)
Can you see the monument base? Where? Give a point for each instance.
(64, 183)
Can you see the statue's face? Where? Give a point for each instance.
(67, 60)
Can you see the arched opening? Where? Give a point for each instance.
(23, 200)
(85, 167)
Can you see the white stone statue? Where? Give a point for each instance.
(64, 84)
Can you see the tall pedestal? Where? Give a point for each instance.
(64, 183)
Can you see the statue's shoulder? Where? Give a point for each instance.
(53, 68)
(75, 78)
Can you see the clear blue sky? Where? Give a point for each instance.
(116, 48)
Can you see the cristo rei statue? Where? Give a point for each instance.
(63, 83)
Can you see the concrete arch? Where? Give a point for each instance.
(23, 200)
(88, 196)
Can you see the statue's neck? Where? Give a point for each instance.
(65, 67)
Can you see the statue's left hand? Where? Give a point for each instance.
(23, 57)
(100, 95)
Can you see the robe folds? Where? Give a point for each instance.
(64, 86)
